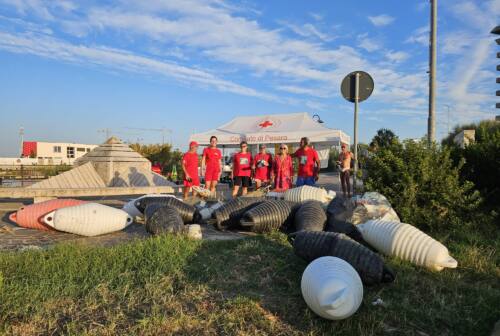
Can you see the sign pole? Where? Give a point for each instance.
(356, 102)
(356, 87)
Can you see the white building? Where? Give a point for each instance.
(50, 153)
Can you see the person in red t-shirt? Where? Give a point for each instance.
(242, 169)
(211, 164)
(309, 164)
(262, 165)
(190, 168)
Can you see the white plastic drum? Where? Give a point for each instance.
(306, 193)
(90, 219)
(130, 208)
(408, 243)
(332, 288)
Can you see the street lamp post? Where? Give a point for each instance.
(431, 122)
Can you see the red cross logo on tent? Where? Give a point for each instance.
(265, 124)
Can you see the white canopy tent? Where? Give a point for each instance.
(276, 129)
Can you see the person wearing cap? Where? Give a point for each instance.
(344, 163)
(190, 168)
(309, 164)
(262, 165)
(242, 169)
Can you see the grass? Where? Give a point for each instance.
(171, 285)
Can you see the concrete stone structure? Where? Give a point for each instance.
(120, 166)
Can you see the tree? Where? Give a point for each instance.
(163, 154)
(384, 138)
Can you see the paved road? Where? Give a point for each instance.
(13, 237)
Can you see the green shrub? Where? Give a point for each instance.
(481, 160)
(423, 185)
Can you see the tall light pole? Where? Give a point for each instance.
(448, 114)
(431, 122)
(21, 136)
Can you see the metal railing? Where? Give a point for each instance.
(23, 175)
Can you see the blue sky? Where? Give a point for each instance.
(69, 68)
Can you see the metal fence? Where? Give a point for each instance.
(23, 175)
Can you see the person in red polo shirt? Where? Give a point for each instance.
(308, 164)
(242, 169)
(262, 165)
(211, 163)
(190, 168)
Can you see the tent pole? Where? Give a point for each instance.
(356, 102)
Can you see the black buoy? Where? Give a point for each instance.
(268, 216)
(228, 216)
(162, 219)
(186, 211)
(310, 245)
(310, 217)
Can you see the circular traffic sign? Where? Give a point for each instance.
(348, 86)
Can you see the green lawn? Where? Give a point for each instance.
(171, 285)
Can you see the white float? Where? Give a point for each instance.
(90, 219)
(332, 288)
(306, 193)
(408, 243)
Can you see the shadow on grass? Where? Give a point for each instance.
(263, 273)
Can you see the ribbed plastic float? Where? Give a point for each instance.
(90, 219)
(31, 216)
(306, 193)
(185, 210)
(268, 216)
(408, 243)
(132, 210)
(228, 215)
(310, 245)
(161, 218)
(310, 216)
(332, 288)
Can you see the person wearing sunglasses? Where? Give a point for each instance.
(211, 164)
(262, 166)
(282, 169)
(309, 164)
(242, 169)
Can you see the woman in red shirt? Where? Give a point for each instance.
(211, 163)
(282, 169)
(262, 165)
(190, 168)
(242, 169)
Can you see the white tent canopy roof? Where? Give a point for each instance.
(275, 128)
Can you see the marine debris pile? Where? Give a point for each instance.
(344, 241)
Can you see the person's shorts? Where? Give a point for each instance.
(309, 180)
(242, 181)
(211, 175)
(193, 182)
